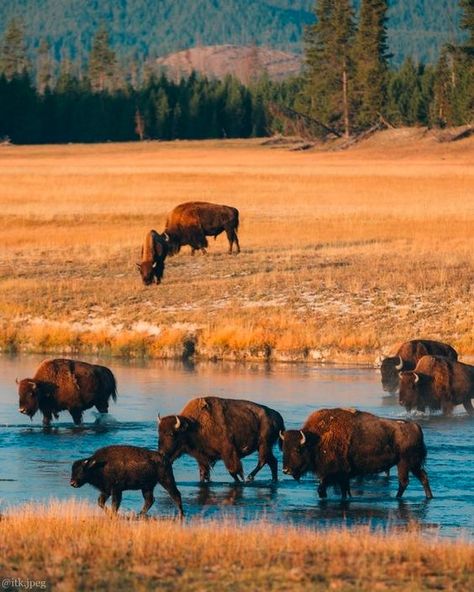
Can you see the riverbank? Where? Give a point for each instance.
(73, 546)
(344, 254)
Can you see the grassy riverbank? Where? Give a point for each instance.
(343, 254)
(71, 546)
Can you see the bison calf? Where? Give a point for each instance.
(338, 444)
(406, 358)
(211, 429)
(61, 384)
(114, 469)
(437, 383)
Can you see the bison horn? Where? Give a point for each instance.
(399, 366)
(281, 433)
(17, 381)
(154, 264)
(158, 419)
(139, 267)
(166, 237)
(177, 425)
(417, 378)
(303, 438)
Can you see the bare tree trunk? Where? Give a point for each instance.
(347, 131)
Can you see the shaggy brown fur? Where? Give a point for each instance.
(190, 223)
(338, 444)
(66, 384)
(154, 252)
(211, 429)
(114, 469)
(408, 355)
(437, 383)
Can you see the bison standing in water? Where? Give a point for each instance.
(211, 429)
(61, 384)
(437, 383)
(154, 252)
(114, 469)
(407, 357)
(190, 223)
(338, 444)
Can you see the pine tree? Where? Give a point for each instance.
(44, 67)
(371, 61)
(102, 63)
(13, 58)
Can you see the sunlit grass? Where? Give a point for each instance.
(74, 546)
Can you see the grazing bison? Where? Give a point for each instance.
(338, 444)
(437, 383)
(190, 223)
(114, 469)
(154, 251)
(211, 429)
(66, 384)
(407, 357)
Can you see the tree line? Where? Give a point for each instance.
(347, 85)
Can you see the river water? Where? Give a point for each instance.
(35, 465)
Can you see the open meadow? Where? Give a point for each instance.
(71, 547)
(344, 254)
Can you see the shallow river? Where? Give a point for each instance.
(35, 465)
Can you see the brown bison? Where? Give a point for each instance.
(437, 383)
(407, 357)
(154, 251)
(211, 429)
(114, 469)
(190, 223)
(66, 384)
(338, 444)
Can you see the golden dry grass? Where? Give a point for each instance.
(344, 254)
(72, 547)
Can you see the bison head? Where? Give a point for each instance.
(173, 433)
(83, 470)
(297, 452)
(151, 271)
(389, 370)
(411, 394)
(29, 393)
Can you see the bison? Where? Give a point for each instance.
(66, 384)
(407, 357)
(190, 223)
(114, 469)
(154, 252)
(437, 383)
(211, 429)
(338, 444)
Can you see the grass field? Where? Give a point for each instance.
(344, 254)
(71, 547)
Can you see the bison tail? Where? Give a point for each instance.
(236, 219)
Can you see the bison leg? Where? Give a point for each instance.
(103, 497)
(102, 407)
(169, 484)
(232, 238)
(265, 456)
(402, 478)
(47, 417)
(204, 472)
(232, 462)
(76, 416)
(447, 408)
(323, 489)
(149, 500)
(421, 475)
(468, 406)
(345, 487)
(116, 500)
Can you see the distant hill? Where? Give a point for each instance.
(244, 62)
(152, 28)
